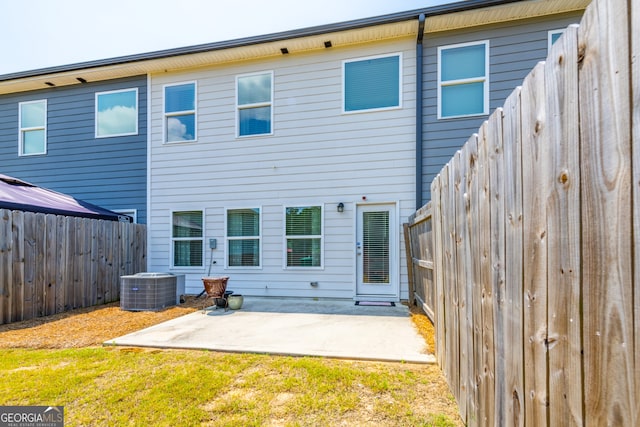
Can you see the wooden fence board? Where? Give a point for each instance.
(487, 387)
(139, 255)
(30, 233)
(70, 293)
(497, 242)
(465, 285)
(440, 307)
(563, 224)
(78, 279)
(102, 260)
(459, 183)
(88, 263)
(536, 187)
(17, 231)
(606, 214)
(40, 265)
(473, 289)
(5, 262)
(110, 276)
(119, 261)
(634, 30)
(96, 258)
(60, 259)
(113, 265)
(451, 319)
(50, 274)
(514, 358)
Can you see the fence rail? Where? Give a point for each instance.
(536, 240)
(51, 263)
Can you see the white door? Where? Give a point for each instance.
(376, 252)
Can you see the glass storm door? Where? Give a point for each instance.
(376, 249)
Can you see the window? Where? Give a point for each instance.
(303, 233)
(463, 80)
(133, 213)
(187, 236)
(254, 101)
(117, 113)
(552, 37)
(372, 83)
(243, 237)
(33, 128)
(180, 112)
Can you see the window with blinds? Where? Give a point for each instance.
(375, 247)
(243, 237)
(303, 233)
(187, 238)
(372, 83)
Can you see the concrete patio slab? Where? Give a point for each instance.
(293, 326)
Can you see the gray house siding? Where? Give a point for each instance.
(110, 172)
(514, 49)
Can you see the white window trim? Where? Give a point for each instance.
(172, 239)
(254, 105)
(284, 236)
(166, 115)
(550, 34)
(227, 239)
(21, 152)
(484, 79)
(135, 89)
(365, 58)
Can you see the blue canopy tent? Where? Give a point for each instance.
(16, 194)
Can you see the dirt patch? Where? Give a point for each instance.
(86, 327)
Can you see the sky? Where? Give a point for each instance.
(45, 33)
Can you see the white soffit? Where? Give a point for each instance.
(503, 13)
(216, 56)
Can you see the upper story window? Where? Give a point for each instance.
(553, 36)
(372, 83)
(117, 113)
(243, 237)
(180, 112)
(255, 104)
(303, 234)
(187, 236)
(33, 127)
(463, 80)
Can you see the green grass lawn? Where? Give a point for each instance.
(120, 386)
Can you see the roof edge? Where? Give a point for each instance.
(272, 37)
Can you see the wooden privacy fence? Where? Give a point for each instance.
(536, 240)
(52, 263)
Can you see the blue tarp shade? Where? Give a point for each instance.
(20, 195)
